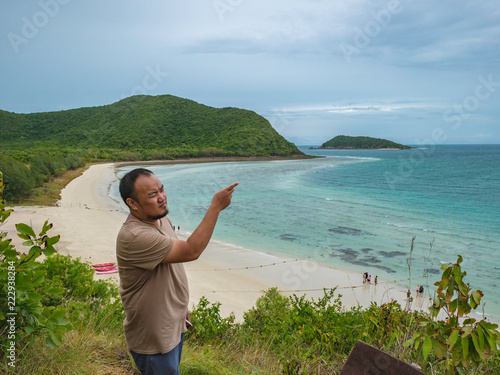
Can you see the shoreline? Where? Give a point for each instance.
(216, 159)
(88, 221)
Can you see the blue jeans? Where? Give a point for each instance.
(160, 364)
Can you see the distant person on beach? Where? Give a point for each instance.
(153, 283)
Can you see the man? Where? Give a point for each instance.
(153, 284)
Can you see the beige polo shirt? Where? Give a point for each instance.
(155, 295)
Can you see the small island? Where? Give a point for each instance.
(348, 142)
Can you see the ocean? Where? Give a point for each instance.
(358, 210)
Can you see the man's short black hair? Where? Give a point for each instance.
(127, 183)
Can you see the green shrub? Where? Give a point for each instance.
(388, 325)
(84, 296)
(76, 278)
(24, 316)
(17, 177)
(303, 332)
(459, 342)
(208, 325)
(44, 300)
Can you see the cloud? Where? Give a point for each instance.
(482, 136)
(403, 32)
(283, 59)
(363, 108)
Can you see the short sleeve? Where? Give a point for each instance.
(145, 247)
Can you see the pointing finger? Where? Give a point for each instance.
(232, 186)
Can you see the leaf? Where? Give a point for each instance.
(50, 342)
(452, 340)
(35, 249)
(488, 325)
(462, 309)
(45, 228)
(479, 349)
(426, 347)
(53, 240)
(10, 253)
(25, 229)
(438, 349)
(49, 251)
(58, 314)
(409, 342)
(480, 337)
(465, 347)
(476, 296)
(466, 331)
(53, 291)
(463, 289)
(453, 306)
(491, 341)
(38, 276)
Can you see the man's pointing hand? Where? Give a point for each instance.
(222, 198)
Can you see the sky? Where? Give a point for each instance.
(414, 72)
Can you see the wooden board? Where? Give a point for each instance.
(367, 360)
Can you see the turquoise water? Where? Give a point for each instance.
(359, 210)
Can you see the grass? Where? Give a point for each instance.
(84, 351)
(227, 358)
(98, 346)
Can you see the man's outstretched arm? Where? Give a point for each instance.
(191, 249)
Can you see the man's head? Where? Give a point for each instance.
(143, 193)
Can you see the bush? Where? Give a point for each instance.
(76, 278)
(46, 299)
(17, 177)
(208, 325)
(24, 316)
(457, 345)
(304, 332)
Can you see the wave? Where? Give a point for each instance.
(368, 158)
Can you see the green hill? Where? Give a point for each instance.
(348, 142)
(146, 127)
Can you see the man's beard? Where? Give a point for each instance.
(158, 217)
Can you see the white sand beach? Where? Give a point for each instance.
(88, 221)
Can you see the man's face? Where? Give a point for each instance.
(151, 200)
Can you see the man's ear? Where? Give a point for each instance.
(133, 205)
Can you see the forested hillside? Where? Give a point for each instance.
(37, 147)
(344, 141)
(149, 127)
